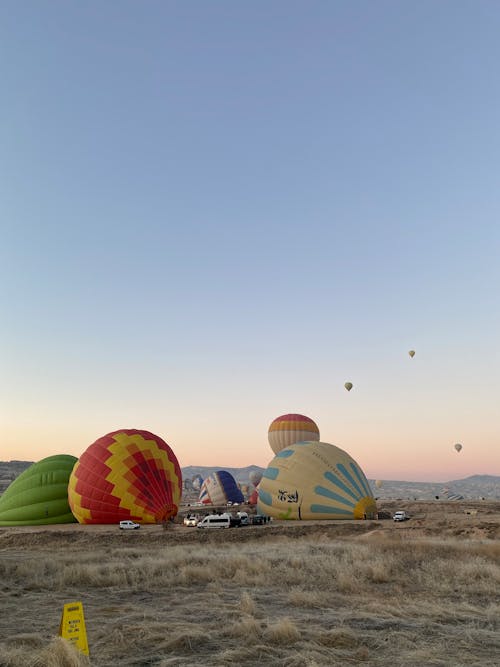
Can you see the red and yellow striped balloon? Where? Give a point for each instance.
(289, 429)
(127, 474)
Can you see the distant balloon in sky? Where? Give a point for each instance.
(127, 474)
(348, 386)
(315, 480)
(289, 429)
(411, 353)
(458, 447)
(39, 496)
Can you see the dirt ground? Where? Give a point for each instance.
(420, 593)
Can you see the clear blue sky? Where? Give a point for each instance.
(214, 213)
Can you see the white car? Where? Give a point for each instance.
(129, 525)
(191, 520)
(400, 516)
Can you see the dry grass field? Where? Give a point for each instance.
(420, 593)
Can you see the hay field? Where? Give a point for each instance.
(417, 594)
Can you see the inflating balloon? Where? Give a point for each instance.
(289, 429)
(254, 497)
(197, 482)
(315, 480)
(128, 474)
(39, 496)
(220, 488)
(255, 477)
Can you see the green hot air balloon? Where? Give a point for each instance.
(39, 496)
(348, 386)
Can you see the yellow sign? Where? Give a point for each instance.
(72, 626)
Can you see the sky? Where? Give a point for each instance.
(216, 213)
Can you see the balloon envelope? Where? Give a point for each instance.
(411, 353)
(378, 483)
(254, 497)
(197, 482)
(255, 477)
(127, 474)
(458, 447)
(289, 429)
(220, 488)
(315, 480)
(39, 496)
(348, 386)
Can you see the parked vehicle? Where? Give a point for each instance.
(259, 519)
(129, 525)
(190, 520)
(215, 521)
(400, 515)
(243, 516)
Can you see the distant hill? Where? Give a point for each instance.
(9, 470)
(479, 479)
(474, 487)
(471, 488)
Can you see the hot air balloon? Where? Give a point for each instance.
(39, 496)
(450, 495)
(458, 447)
(127, 474)
(289, 429)
(348, 386)
(220, 488)
(411, 353)
(197, 482)
(254, 497)
(255, 477)
(378, 483)
(315, 480)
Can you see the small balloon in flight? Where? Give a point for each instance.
(348, 386)
(458, 446)
(411, 353)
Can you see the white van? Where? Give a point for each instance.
(129, 525)
(215, 521)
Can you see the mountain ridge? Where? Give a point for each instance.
(477, 486)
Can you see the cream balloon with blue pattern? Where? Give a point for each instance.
(315, 480)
